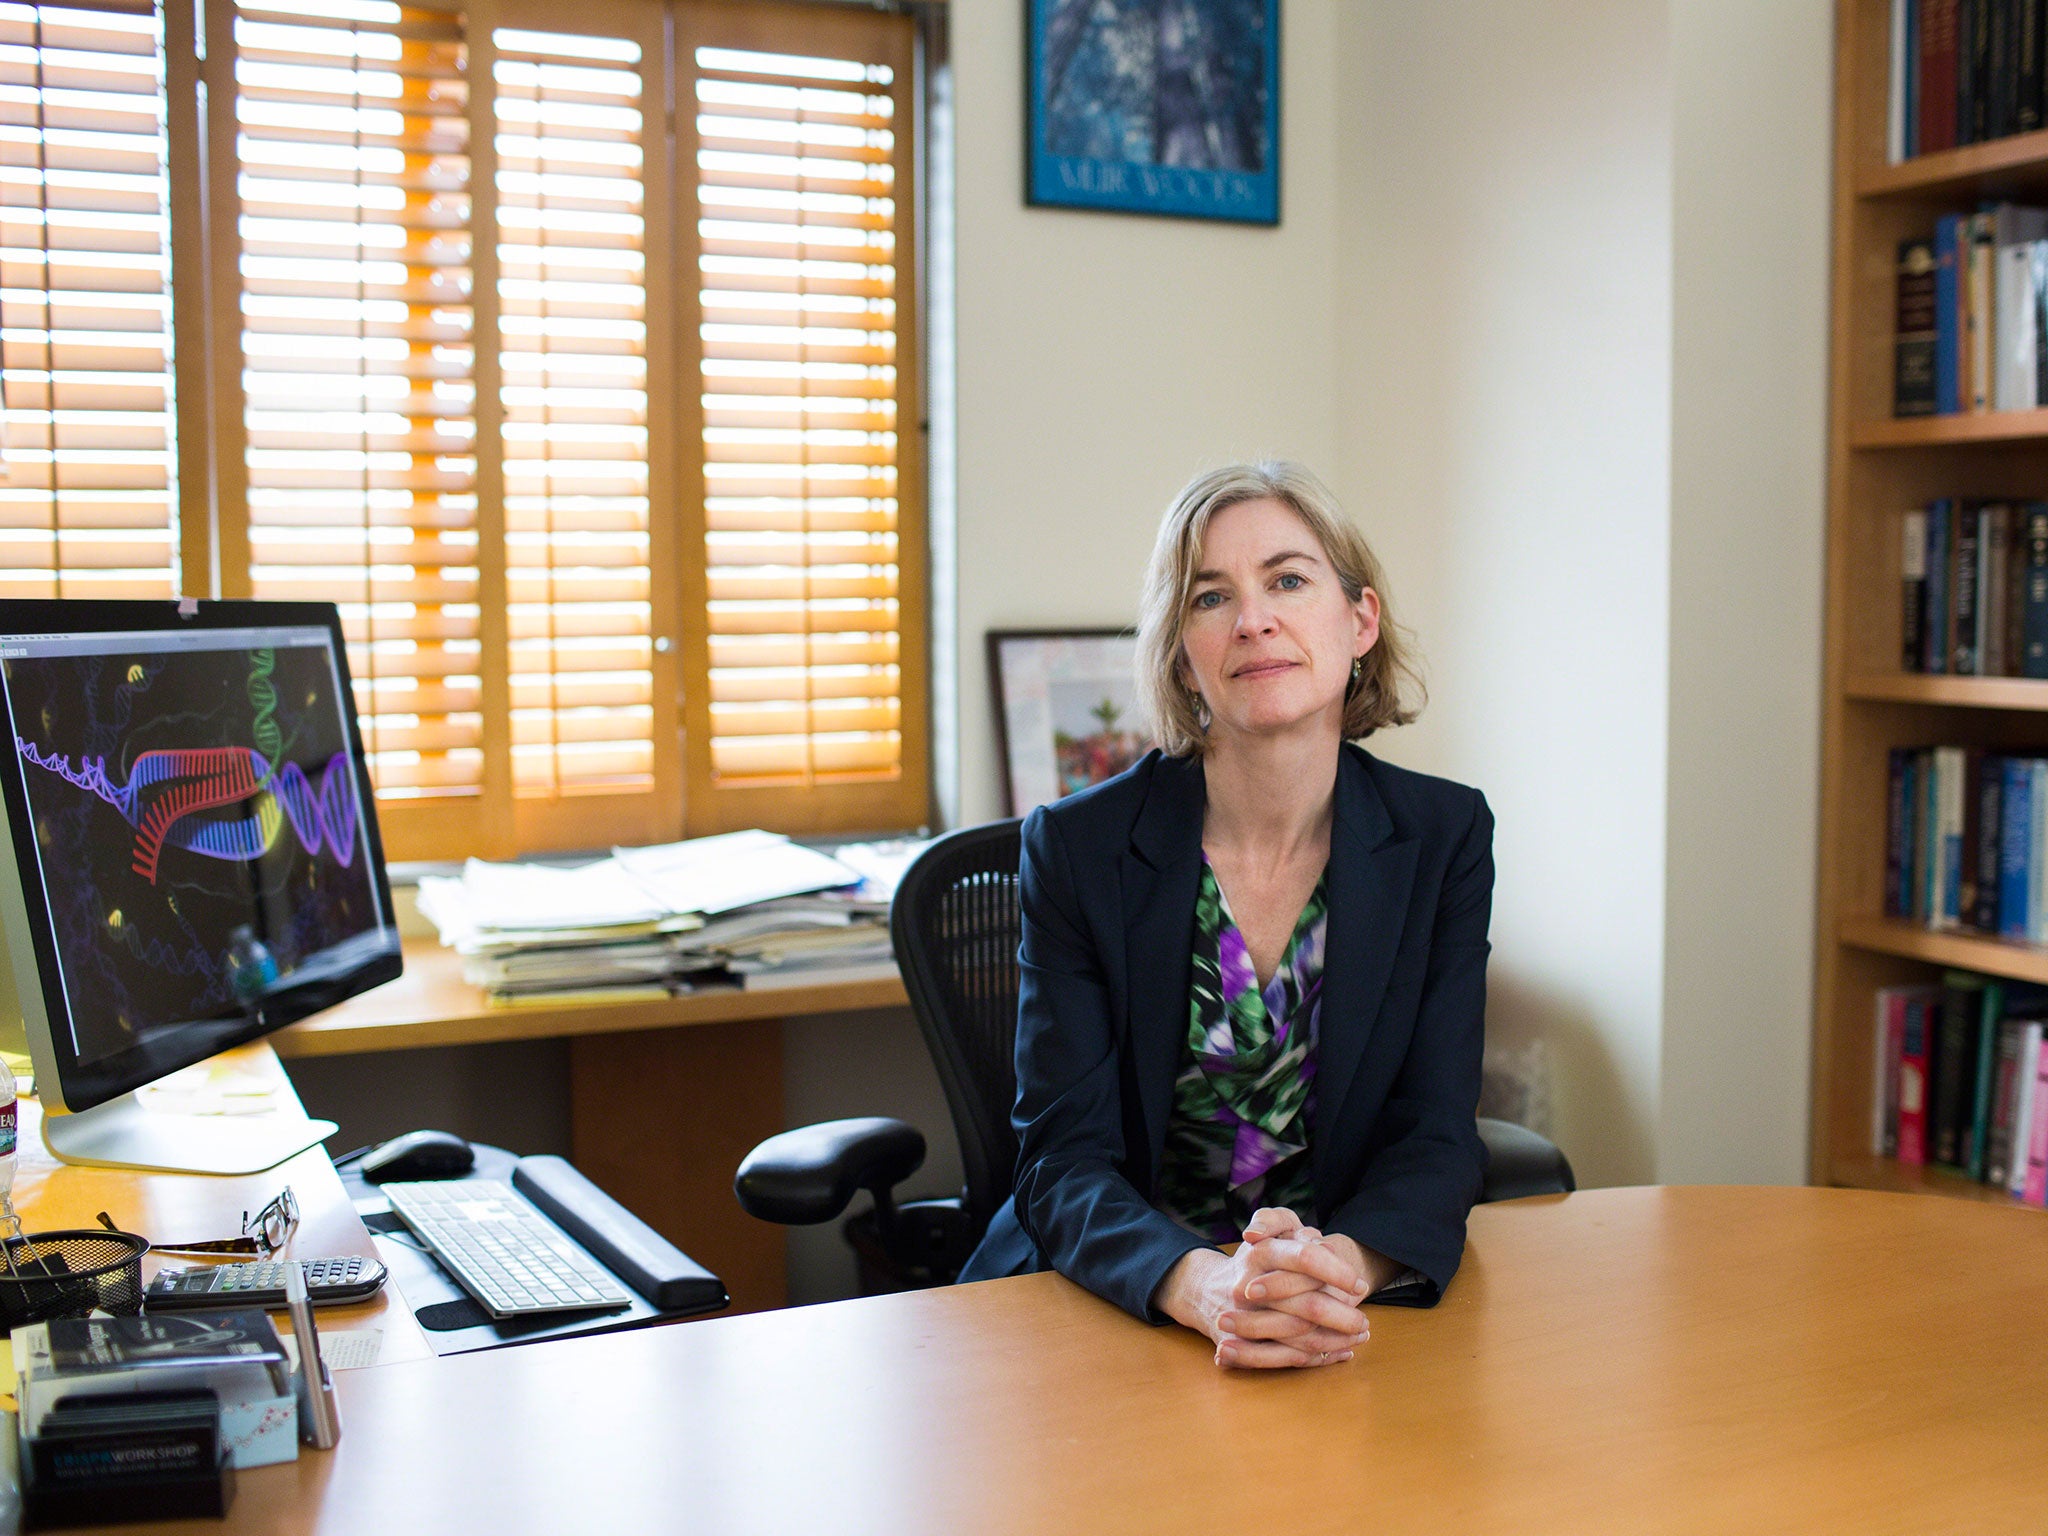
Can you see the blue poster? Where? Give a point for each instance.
(1156, 106)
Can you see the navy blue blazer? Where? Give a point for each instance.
(1108, 890)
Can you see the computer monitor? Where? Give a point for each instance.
(191, 859)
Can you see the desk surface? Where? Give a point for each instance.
(430, 1004)
(1691, 1359)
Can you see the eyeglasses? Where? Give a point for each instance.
(264, 1233)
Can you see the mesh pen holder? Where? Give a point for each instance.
(70, 1274)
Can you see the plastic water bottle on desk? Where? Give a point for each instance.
(10, 1224)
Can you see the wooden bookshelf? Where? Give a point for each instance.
(1877, 468)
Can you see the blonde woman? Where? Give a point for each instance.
(1254, 964)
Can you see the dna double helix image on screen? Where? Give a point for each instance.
(168, 794)
(199, 824)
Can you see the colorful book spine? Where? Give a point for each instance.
(1994, 588)
(2023, 1111)
(1948, 313)
(2015, 847)
(2005, 1090)
(1940, 514)
(1912, 1134)
(1985, 1073)
(1896, 1000)
(2036, 1191)
(1934, 107)
(1963, 576)
(2037, 847)
(2034, 583)
(1955, 1057)
(1913, 381)
(1925, 803)
(2028, 109)
(1913, 589)
(1981, 847)
(1897, 834)
(1978, 314)
(1950, 774)
(1900, 125)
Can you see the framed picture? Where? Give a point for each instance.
(1066, 710)
(1155, 106)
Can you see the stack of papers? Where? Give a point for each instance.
(752, 907)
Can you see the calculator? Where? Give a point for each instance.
(261, 1284)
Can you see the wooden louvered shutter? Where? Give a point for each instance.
(804, 654)
(356, 395)
(88, 485)
(583, 319)
(448, 342)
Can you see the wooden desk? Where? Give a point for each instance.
(1676, 1360)
(665, 1097)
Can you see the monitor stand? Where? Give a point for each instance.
(121, 1133)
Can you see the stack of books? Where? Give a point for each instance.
(1966, 841)
(1959, 1081)
(1975, 588)
(749, 907)
(1972, 299)
(126, 1418)
(1962, 72)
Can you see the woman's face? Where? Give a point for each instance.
(1269, 636)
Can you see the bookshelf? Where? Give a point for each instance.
(1878, 467)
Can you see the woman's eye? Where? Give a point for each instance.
(1290, 582)
(1208, 599)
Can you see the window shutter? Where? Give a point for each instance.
(358, 361)
(808, 710)
(572, 305)
(87, 487)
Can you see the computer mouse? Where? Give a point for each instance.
(417, 1155)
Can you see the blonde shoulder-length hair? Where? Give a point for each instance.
(1380, 694)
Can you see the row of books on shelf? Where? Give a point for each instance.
(1961, 1082)
(1963, 71)
(1966, 841)
(1975, 589)
(1970, 314)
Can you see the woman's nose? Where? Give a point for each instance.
(1254, 618)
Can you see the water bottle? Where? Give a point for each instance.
(8, 1119)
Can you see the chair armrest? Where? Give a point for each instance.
(1520, 1162)
(808, 1175)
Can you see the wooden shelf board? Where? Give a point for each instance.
(1886, 1173)
(1963, 951)
(1972, 171)
(1949, 431)
(1961, 692)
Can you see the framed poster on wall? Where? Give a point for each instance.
(1155, 106)
(1066, 710)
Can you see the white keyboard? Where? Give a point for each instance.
(507, 1255)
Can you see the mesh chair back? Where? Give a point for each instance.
(955, 924)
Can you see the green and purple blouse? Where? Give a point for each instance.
(1237, 1136)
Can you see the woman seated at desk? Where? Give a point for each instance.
(1253, 970)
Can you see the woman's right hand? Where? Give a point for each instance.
(1217, 1295)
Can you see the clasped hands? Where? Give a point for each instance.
(1289, 1297)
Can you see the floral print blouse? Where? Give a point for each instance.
(1237, 1136)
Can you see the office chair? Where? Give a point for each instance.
(955, 925)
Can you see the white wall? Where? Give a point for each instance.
(1507, 355)
(1750, 220)
(1584, 358)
